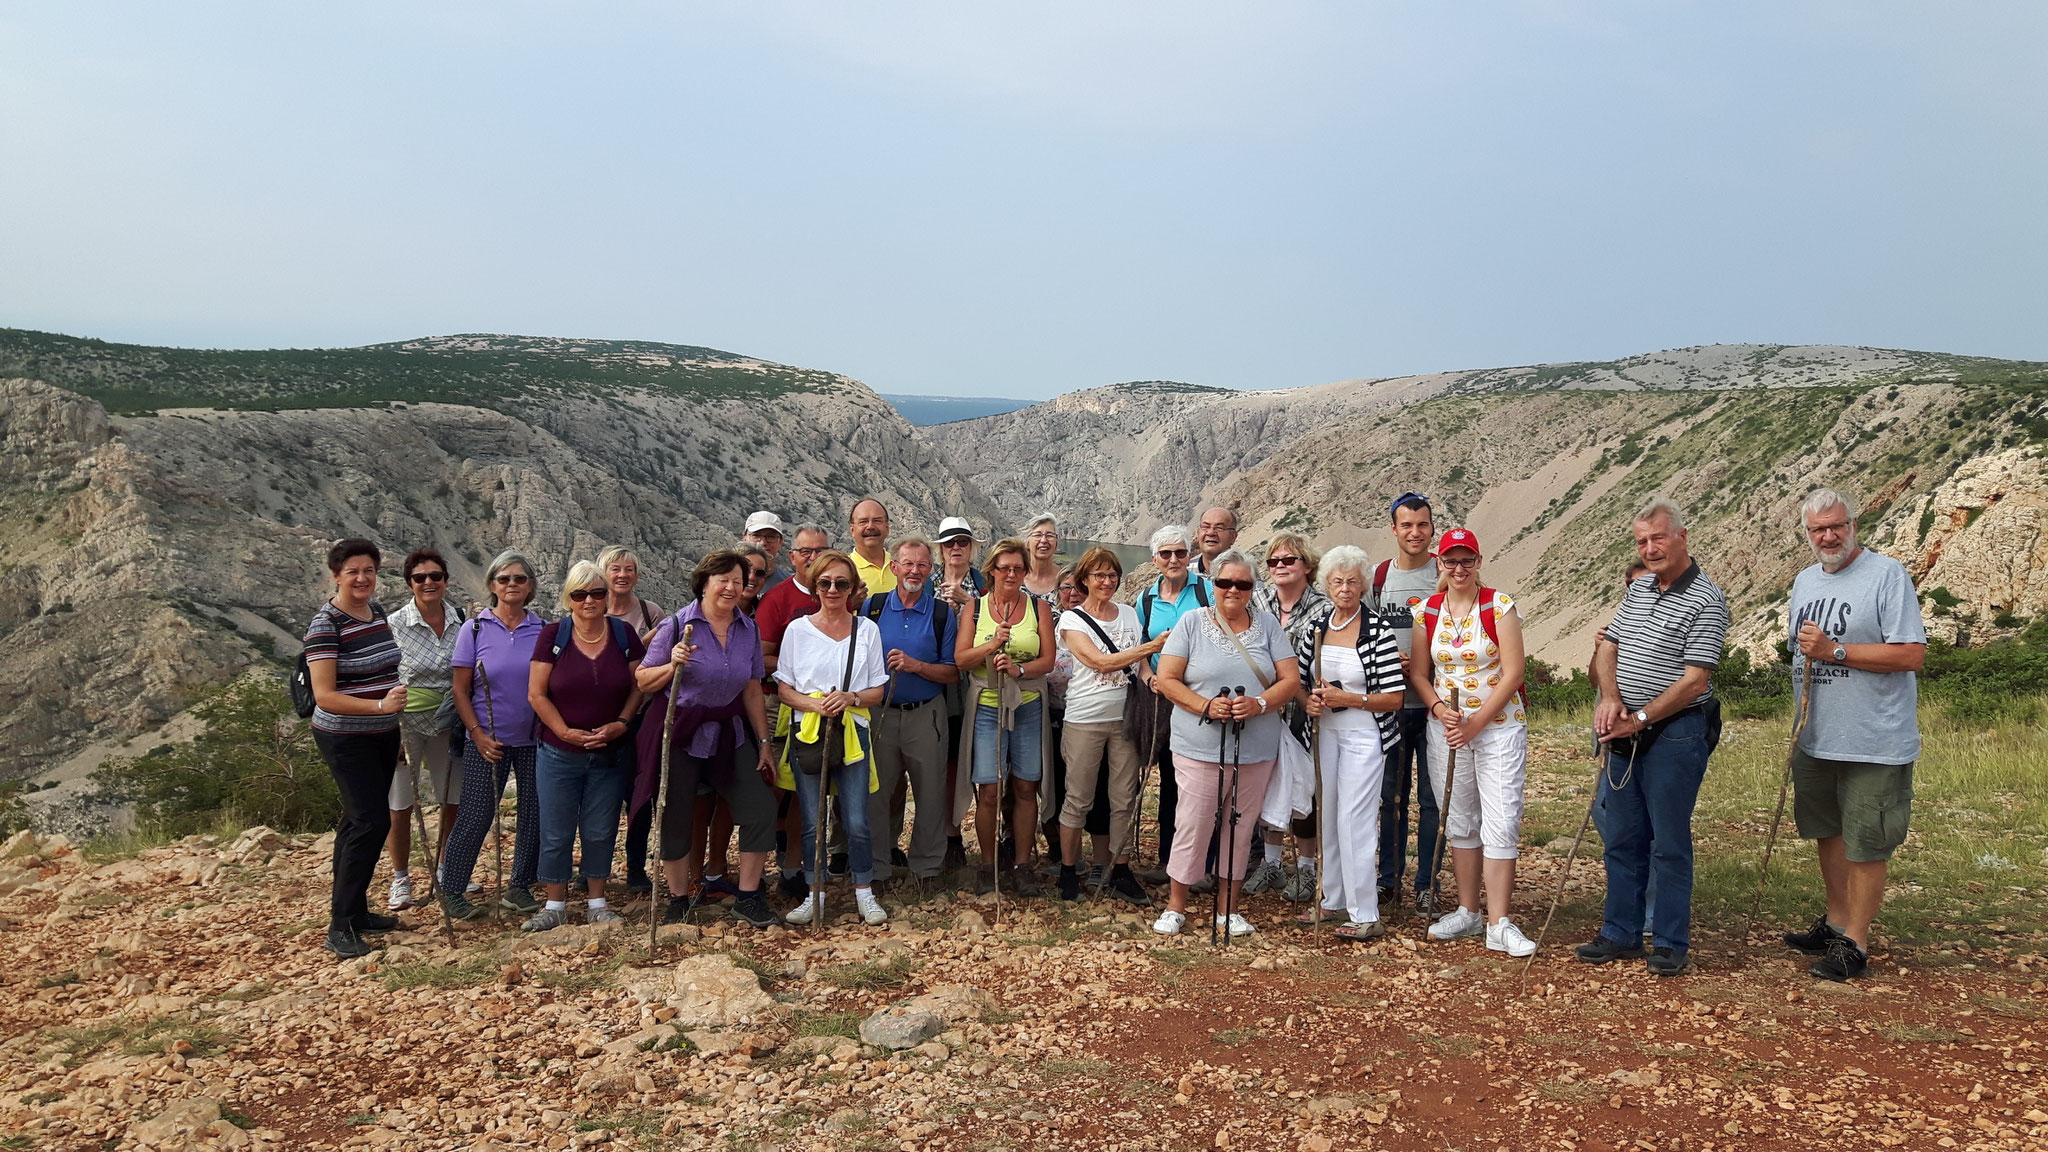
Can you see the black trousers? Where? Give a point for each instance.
(362, 764)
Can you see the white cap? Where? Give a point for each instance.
(765, 522)
(955, 526)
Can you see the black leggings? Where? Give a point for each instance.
(749, 797)
(362, 764)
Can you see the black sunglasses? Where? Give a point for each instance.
(427, 577)
(1280, 561)
(1172, 553)
(511, 578)
(834, 584)
(582, 594)
(1233, 585)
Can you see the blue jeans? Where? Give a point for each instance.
(1020, 744)
(850, 788)
(1647, 826)
(1410, 763)
(580, 792)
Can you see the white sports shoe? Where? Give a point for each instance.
(1169, 923)
(1239, 926)
(401, 893)
(870, 908)
(1459, 922)
(1503, 936)
(805, 912)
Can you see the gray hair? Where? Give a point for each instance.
(505, 560)
(1662, 506)
(1820, 500)
(1171, 534)
(615, 554)
(1233, 556)
(1230, 512)
(1343, 558)
(896, 550)
(810, 526)
(749, 548)
(1041, 518)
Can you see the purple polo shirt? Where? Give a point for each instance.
(716, 674)
(508, 660)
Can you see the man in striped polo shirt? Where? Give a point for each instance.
(1659, 719)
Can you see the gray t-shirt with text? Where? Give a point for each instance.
(1866, 717)
(1400, 602)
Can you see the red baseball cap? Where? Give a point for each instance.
(1458, 538)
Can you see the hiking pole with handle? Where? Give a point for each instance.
(1564, 874)
(830, 730)
(1784, 785)
(1230, 856)
(497, 793)
(1216, 831)
(668, 734)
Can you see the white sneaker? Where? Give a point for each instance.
(1169, 923)
(805, 912)
(1461, 922)
(870, 908)
(401, 893)
(474, 888)
(1239, 926)
(1503, 936)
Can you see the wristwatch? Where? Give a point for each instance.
(1642, 716)
(1262, 704)
(1841, 654)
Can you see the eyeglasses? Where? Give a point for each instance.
(510, 578)
(915, 565)
(582, 594)
(428, 577)
(1172, 553)
(1008, 569)
(1105, 574)
(1043, 536)
(1280, 561)
(1233, 585)
(835, 584)
(800, 551)
(1835, 529)
(1467, 562)
(756, 575)
(1070, 587)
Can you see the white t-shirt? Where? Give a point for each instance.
(810, 661)
(1094, 697)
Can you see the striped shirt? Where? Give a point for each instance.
(1662, 632)
(365, 664)
(1379, 653)
(424, 661)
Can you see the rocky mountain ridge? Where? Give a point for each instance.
(147, 557)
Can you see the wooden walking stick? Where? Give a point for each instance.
(1443, 829)
(1785, 784)
(1564, 874)
(1315, 753)
(831, 731)
(1002, 789)
(668, 734)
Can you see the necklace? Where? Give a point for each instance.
(577, 627)
(997, 611)
(1355, 614)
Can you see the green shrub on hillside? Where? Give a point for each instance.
(254, 759)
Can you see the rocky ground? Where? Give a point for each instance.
(179, 999)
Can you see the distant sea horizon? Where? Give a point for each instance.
(928, 410)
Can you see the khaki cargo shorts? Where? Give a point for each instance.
(1867, 805)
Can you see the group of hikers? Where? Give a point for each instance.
(1304, 695)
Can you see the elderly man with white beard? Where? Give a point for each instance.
(1855, 618)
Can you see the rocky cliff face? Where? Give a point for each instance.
(1548, 463)
(146, 558)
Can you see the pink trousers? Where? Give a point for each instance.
(1194, 818)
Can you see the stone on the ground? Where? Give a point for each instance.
(955, 1003)
(900, 1028)
(709, 991)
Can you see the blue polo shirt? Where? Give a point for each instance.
(1157, 614)
(910, 629)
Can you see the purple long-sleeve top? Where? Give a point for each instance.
(715, 676)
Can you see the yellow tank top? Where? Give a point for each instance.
(1023, 646)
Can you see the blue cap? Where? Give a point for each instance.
(1395, 508)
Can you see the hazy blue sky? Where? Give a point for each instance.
(974, 198)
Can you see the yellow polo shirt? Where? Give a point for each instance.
(877, 577)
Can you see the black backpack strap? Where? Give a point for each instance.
(1145, 615)
(872, 609)
(622, 635)
(941, 613)
(1201, 597)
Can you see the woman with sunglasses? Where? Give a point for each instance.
(489, 669)
(580, 684)
(960, 582)
(1290, 596)
(811, 677)
(352, 663)
(1011, 643)
(1229, 671)
(1471, 682)
(425, 629)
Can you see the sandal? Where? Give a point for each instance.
(1354, 930)
(1330, 916)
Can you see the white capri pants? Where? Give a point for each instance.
(1486, 800)
(1352, 766)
